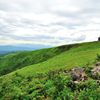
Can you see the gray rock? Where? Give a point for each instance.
(78, 74)
(97, 64)
(96, 71)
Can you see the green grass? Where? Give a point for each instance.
(77, 56)
(33, 81)
(14, 61)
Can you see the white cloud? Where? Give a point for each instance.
(49, 22)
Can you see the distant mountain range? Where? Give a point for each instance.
(13, 48)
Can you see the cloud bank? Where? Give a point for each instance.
(49, 22)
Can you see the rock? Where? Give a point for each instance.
(65, 71)
(98, 82)
(97, 64)
(78, 74)
(96, 71)
(76, 82)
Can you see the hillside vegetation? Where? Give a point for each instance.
(76, 56)
(45, 74)
(14, 61)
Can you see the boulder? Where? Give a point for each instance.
(97, 64)
(96, 71)
(78, 74)
(98, 82)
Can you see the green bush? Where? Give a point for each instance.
(98, 57)
(89, 94)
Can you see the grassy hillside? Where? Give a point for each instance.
(46, 80)
(14, 61)
(76, 56)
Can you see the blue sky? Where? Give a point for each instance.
(49, 22)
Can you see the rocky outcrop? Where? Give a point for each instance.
(96, 70)
(97, 64)
(78, 74)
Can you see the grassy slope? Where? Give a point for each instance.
(14, 61)
(26, 85)
(76, 56)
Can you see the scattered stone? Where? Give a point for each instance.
(76, 82)
(78, 74)
(97, 64)
(98, 82)
(96, 71)
(65, 71)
